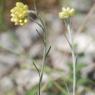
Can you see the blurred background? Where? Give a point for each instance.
(21, 45)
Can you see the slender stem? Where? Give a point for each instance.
(44, 58)
(73, 58)
(36, 68)
(32, 12)
(42, 69)
(43, 26)
(69, 34)
(74, 73)
(35, 6)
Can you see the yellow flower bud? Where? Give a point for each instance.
(19, 14)
(25, 20)
(66, 13)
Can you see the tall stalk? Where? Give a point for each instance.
(74, 58)
(44, 40)
(45, 50)
(43, 61)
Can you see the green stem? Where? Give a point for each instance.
(43, 26)
(44, 59)
(73, 58)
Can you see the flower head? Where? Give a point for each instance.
(66, 13)
(19, 14)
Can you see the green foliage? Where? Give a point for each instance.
(33, 91)
(80, 79)
(2, 22)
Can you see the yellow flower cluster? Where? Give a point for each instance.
(19, 14)
(66, 13)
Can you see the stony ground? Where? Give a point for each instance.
(21, 46)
